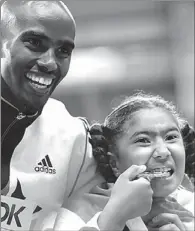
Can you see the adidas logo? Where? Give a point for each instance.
(45, 165)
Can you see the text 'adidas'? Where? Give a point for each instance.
(45, 166)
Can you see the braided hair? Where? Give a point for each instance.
(104, 136)
(188, 135)
(100, 144)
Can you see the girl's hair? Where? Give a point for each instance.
(104, 136)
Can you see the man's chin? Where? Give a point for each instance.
(32, 107)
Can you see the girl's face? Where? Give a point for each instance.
(152, 137)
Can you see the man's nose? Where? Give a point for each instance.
(47, 62)
(161, 151)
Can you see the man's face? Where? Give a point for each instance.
(37, 54)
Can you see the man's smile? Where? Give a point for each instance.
(39, 81)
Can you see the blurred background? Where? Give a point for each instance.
(126, 45)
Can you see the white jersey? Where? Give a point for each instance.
(45, 169)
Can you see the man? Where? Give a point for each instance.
(46, 156)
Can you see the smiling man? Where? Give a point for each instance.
(38, 39)
(46, 156)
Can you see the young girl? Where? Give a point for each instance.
(145, 132)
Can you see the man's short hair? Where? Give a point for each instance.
(8, 18)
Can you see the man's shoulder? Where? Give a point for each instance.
(54, 109)
(55, 113)
(54, 103)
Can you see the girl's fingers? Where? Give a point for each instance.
(169, 227)
(133, 171)
(167, 219)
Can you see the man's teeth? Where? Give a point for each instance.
(39, 80)
(39, 86)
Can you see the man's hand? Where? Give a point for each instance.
(166, 222)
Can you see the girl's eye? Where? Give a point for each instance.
(142, 140)
(171, 137)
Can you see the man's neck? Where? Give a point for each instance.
(10, 99)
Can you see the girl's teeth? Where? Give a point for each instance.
(164, 169)
(157, 170)
(162, 174)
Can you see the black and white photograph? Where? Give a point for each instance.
(97, 115)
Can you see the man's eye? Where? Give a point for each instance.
(34, 42)
(63, 51)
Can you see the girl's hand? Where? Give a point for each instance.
(168, 205)
(130, 198)
(166, 222)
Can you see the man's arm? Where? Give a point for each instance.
(80, 203)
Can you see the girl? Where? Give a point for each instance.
(146, 130)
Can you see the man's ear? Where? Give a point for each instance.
(113, 161)
(4, 48)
